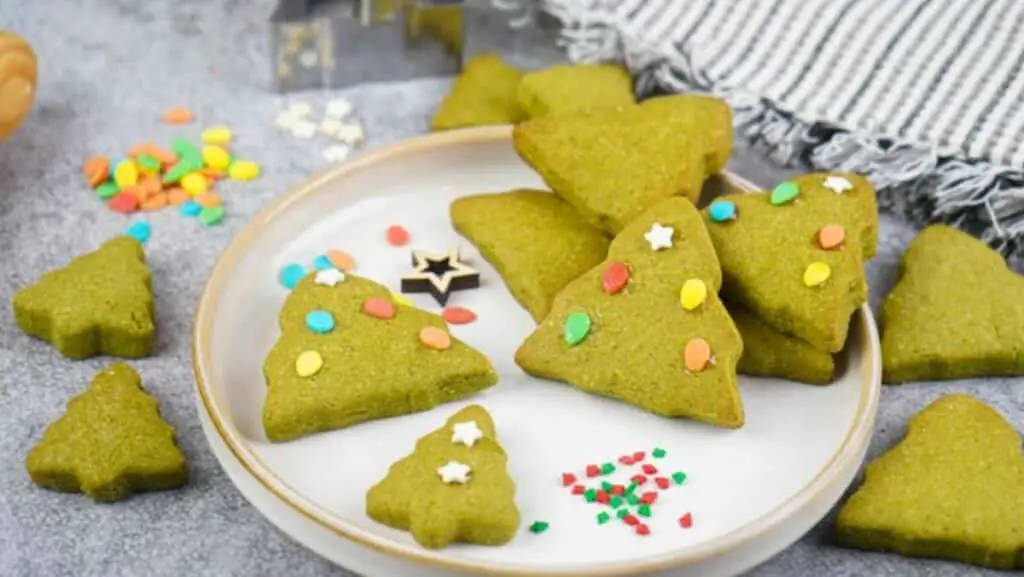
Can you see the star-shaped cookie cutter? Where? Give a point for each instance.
(439, 274)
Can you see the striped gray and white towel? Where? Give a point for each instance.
(924, 97)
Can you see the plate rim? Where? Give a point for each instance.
(855, 439)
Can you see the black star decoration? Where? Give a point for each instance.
(439, 274)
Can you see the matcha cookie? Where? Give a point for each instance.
(483, 94)
(646, 326)
(568, 88)
(559, 247)
(453, 488)
(794, 256)
(956, 311)
(348, 354)
(611, 165)
(769, 353)
(953, 488)
(110, 443)
(100, 303)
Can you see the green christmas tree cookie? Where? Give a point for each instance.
(769, 353)
(110, 443)
(559, 248)
(453, 488)
(483, 94)
(956, 311)
(100, 303)
(567, 88)
(794, 256)
(646, 326)
(612, 164)
(953, 488)
(347, 354)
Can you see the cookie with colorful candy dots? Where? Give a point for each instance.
(348, 354)
(955, 312)
(769, 353)
(953, 488)
(101, 303)
(560, 247)
(483, 94)
(111, 442)
(567, 88)
(794, 256)
(646, 325)
(614, 163)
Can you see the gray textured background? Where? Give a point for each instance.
(107, 71)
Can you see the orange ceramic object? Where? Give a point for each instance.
(17, 82)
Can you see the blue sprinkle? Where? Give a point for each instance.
(320, 322)
(722, 210)
(113, 166)
(190, 208)
(292, 274)
(140, 231)
(322, 263)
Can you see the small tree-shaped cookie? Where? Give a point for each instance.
(110, 443)
(646, 325)
(956, 311)
(100, 303)
(794, 256)
(483, 94)
(452, 488)
(612, 164)
(953, 488)
(348, 354)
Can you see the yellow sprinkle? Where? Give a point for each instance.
(219, 134)
(126, 174)
(216, 157)
(194, 183)
(816, 274)
(401, 300)
(309, 363)
(693, 294)
(243, 170)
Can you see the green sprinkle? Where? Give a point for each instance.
(633, 499)
(107, 190)
(679, 477)
(539, 527)
(659, 453)
(622, 513)
(632, 487)
(184, 147)
(590, 495)
(147, 161)
(576, 327)
(644, 510)
(784, 193)
(211, 215)
(606, 486)
(184, 166)
(607, 469)
(603, 518)
(615, 502)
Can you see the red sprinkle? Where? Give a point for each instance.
(686, 521)
(593, 470)
(578, 489)
(602, 497)
(397, 235)
(124, 202)
(639, 456)
(626, 460)
(649, 498)
(458, 315)
(614, 278)
(643, 530)
(663, 483)
(568, 479)
(650, 469)
(379, 308)
(618, 490)
(631, 520)
(639, 479)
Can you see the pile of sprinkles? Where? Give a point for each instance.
(336, 123)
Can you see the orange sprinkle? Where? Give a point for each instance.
(138, 191)
(212, 174)
(156, 202)
(435, 338)
(178, 196)
(831, 236)
(397, 235)
(379, 308)
(458, 315)
(697, 355)
(341, 260)
(178, 115)
(151, 184)
(142, 148)
(97, 170)
(165, 157)
(208, 199)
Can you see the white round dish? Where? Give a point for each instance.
(751, 492)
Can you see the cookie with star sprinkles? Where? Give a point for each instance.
(348, 354)
(454, 487)
(646, 326)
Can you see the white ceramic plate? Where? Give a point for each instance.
(751, 492)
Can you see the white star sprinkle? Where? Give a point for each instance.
(466, 433)
(659, 236)
(336, 153)
(454, 472)
(338, 109)
(350, 134)
(837, 184)
(329, 277)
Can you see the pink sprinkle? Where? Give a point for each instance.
(686, 521)
(397, 235)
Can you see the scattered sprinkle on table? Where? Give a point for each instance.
(458, 315)
(538, 527)
(140, 230)
(336, 123)
(190, 208)
(341, 260)
(397, 235)
(686, 521)
(322, 263)
(291, 274)
(178, 115)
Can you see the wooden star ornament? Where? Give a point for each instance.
(439, 274)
